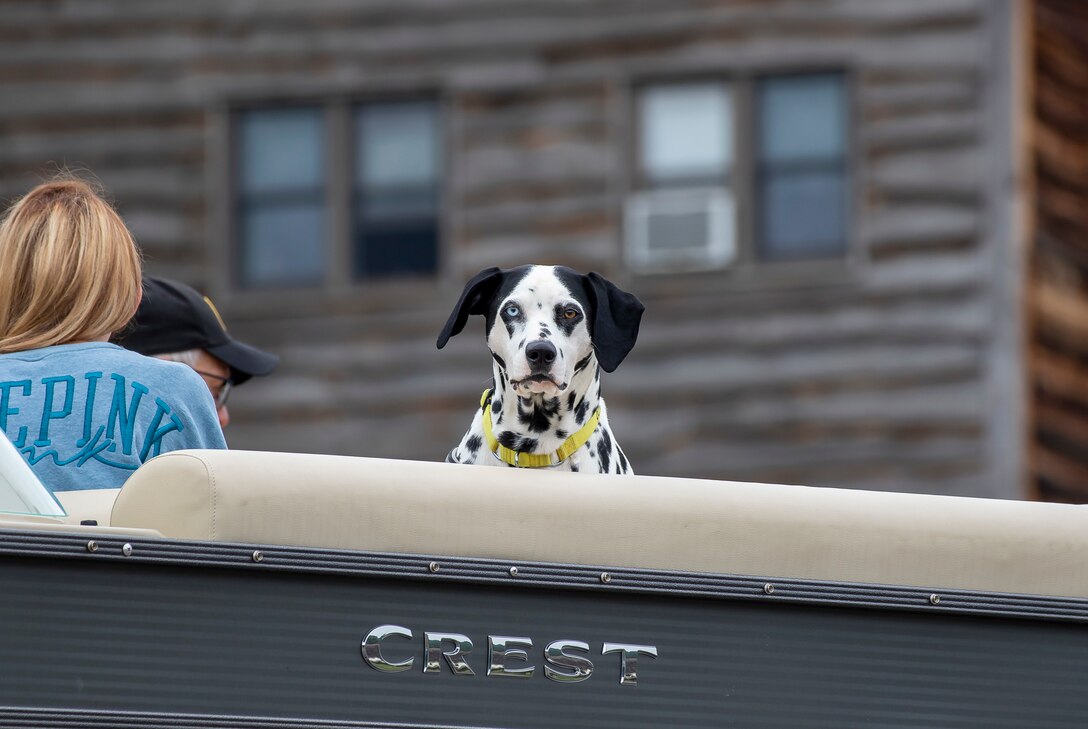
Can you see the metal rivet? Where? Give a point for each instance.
(433, 567)
(513, 571)
(934, 599)
(127, 550)
(258, 555)
(768, 588)
(92, 546)
(606, 578)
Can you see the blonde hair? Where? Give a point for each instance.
(69, 268)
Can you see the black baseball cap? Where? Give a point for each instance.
(174, 317)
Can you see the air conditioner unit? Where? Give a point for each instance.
(681, 230)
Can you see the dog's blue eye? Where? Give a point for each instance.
(512, 311)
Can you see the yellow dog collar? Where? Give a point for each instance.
(535, 460)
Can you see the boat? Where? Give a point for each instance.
(256, 589)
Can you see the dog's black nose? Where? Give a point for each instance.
(540, 354)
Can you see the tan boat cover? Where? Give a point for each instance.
(636, 521)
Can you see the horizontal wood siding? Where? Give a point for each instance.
(868, 374)
(1058, 356)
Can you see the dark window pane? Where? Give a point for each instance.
(283, 243)
(803, 215)
(803, 117)
(393, 250)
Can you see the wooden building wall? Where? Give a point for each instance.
(1058, 357)
(886, 372)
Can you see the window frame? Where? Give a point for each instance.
(224, 252)
(748, 270)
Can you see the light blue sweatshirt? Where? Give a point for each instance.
(85, 416)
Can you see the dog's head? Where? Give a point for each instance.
(545, 324)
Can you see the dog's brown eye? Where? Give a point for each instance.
(570, 314)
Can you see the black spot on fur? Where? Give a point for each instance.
(580, 411)
(537, 416)
(560, 433)
(473, 444)
(544, 329)
(496, 406)
(515, 442)
(622, 460)
(570, 401)
(603, 450)
(521, 345)
(573, 468)
(581, 364)
(606, 442)
(498, 359)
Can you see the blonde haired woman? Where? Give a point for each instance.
(83, 412)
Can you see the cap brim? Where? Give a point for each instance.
(244, 361)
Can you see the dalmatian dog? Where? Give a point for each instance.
(550, 331)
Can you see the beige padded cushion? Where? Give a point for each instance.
(88, 504)
(640, 521)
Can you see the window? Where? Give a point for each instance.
(690, 180)
(684, 218)
(396, 189)
(802, 173)
(301, 187)
(281, 197)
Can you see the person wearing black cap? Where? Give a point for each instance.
(175, 322)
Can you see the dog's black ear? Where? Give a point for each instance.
(616, 316)
(474, 300)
